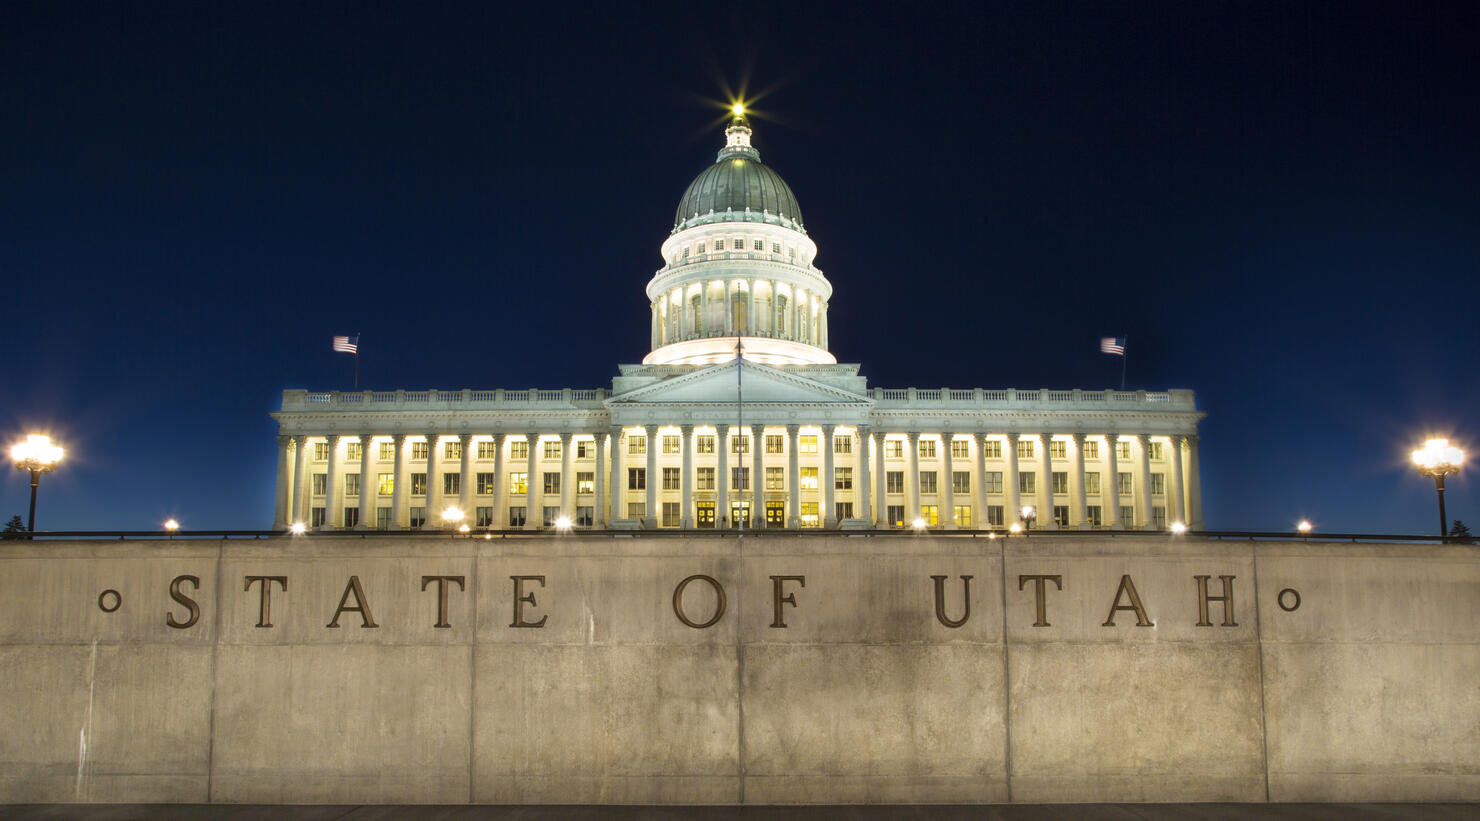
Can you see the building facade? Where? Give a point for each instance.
(738, 417)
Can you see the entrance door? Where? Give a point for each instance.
(705, 511)
(775, 514)
(739, 514)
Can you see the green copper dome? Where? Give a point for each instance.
(738, 180)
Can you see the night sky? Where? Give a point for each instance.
(1278, 203)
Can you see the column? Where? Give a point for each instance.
(300, 463)
(980, 488)
(434, 484)
(947, 491)
(686, 481)
(499, 498)
(722, 479)
(757, 475)
(771, 318)
(750, 309)
(1010, 480)
(729, 325)
(1110, 492)
(1194, 486)
(398, 485)
(912, 478)
(615, 497)
(654, 329)
(333, 518)
(1045, 484)
(1078, 515)
(793, 477)
(827, 480)
(280, 508)
(864, 492)
(368, 487)
(1143, 481)
(567, 477)
(598, 503)
(533, 511)
(881, 487)
(651, 516)
(467, 484)
(1175, 513)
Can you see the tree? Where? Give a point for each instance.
(14, 527)
(1459, 531)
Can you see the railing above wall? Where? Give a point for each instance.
(465, 399)
(944, 398)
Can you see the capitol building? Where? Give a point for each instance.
(738, 417)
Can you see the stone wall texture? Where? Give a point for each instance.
(1339, 672)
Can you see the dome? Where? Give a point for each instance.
(738, 180)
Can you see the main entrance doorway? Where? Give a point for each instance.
(705, 514)
(739, 514)
(775, 514)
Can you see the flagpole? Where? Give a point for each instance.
(740, 431)
(357, 362)
(1124, 354)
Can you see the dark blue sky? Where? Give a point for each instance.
(1276, 202)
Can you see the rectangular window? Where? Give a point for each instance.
(387, 482)
(1091, 484)
(1158, 484)
(960, 449)
(452, 450)
(1058, 449)
(320, 484)
(636, 510)
(740, 478)
(585, 449)
(931, 515)
(518, 483)
(671, 444)
(1156, 452)
(637, 478)
(552, 448)
(894, 515)
(960, 481)
(485, 484)
(452, 483)
(809, 478)
(549, 515)
(993, 481)
(992, 449)
(320, 451)
(842, 478)
(316, 517)
(809, 515)
(1158, 516)
(485, 449)
(387, 451)
(775, 443)
(963, 515)
(775, 247)
(352, 451)
(894, 481)
(519, 450)
(705, 443)
(758, 245)
(994, 515)
(1027, 483)
(807, 444)
(1127, 516)
(552, 482)
(1091, 449)
(699, 249)
(775, 479)
(382, 518)
(351, 516)
(1092, 513)
(671, 478)
(927, 481)
(1123, 448)
(585, 482)
(1060, 481)
(351, 484)
(1061, 515)
(719, 245)
(418, 484)
(1123, 483)
(704, 480)
(418, 517)
(585, 516)
(1025, 448)
(483, 517)
(740, 444)
(843, 510)
(418, 450)
(893, 449)
(637, 445)
(843, 444)
(927, 448)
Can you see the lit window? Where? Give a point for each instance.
(960, 481)
(809, 515)
(893, 449)
(671, 444)
(705, 444)
(809, 478)
(637, 478)
(994, 515)
(843, 478)
(552, 448)
(1091, 483)
(1091, 449)
(452, 450)
(993, 481)
(352, 450)
(1058, 449)
(552, 482)
(775, 443)
(418, 484)
(927, 448)
(519, 483)
(927, 481)
(1025, 448)
(671, 514)
(775, 479)
(992, 449)
(1123, 483)
(1060, 481)
(1061, 515)
(672, 478)
(963, 515)
(740, 444)
(636, 510)
(807, 444)
(1026, 483)
(519, 450)
(585, 482)
(351, 484)
(894, 515)
(320, 451)
(485, 485)
(704, 479)
(931, 514)
(740, 478)
(843, 444)
(1158, 484)
(960, 449)
(1156, 452)
(387, 483)
(637, 445)
(719, 245)
(894, 481)
(452, 483)
(1123, 449)
(486, 450)
(418, 450)
(387, 451)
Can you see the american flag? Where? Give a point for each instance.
(1113, 345)
(347, 344)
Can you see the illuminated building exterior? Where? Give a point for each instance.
(781, 435)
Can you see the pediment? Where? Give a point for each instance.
(757, 384)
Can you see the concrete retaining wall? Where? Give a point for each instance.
(1364, 691)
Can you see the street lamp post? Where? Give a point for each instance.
(1438, 458)
(38, 455)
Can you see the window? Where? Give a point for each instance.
(807, 444)
(485, 485)
(809, 478)
(927, 481)
(382, 518)
(637, 478)
(1158, 484)
(387, 451)
(486, 450)
(774, 479)
(518, 450)
(351, 516)
(894, 481)
(705, 443)
(699, 249)
(704, 480)
(842, 478)
(931, 515)
(418, 484)
(1123, 449)
(387, 483)
(759, 245)
(960, 449)
(809, 515)
(775, 443)
(585, 449)
(843, 510)
(740, 444)
(483, 517)
(1156, 452)
(775, 247)
(843, 444)
(893, 449)
(1027, 483)
(352, 451)
(320, 483)
(1060, 481)
(585, 516)
(516, 516)
(992, 449)
(963, 515)
(548, 515)
(637, 445)
(518, 483)
(993, 481)
(1025, 448)
(452, 450)
(552, 482)
(316, 517)
(671, 443)
(671, 478)
(960, 481)
(1061, 515)
(1127, 516)
(552, 448)
(585, 482)
(418, 517)
(320, 451)
(740, 478)
(894, 516)
(636, 510)
(994, 515)
(927, 448)
(1123, 483)
(1091, 449)
(1091, 484)
(1092, 515)
(452, 483)
(1058, 449)
(719, 245)
(351, 484)
(1158, 516)
(686, 252)
(418, 450)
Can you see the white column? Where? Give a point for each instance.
(757, 475)
(1110, 492)
(793, 477)
(534, 510)
(599, 504)
(881, 485)
(686, 481)
(1079, 515)
(614, 499)
(300, 475)
(333, 518)
(827, 480)
(368, 488)
(281, 502)
(651, 517)
(465, 481)
(499, 498)
(912, 478)
(434, 484)
(1194, 486)
(567, 476)
(980, 488)
(1045, 484)
(864, 489)
(1010, 500)
(722, 480)
(771, 315)
(398, 486)
(947, 490)
(1175, 513)
(1143, 481)
(750, 309)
